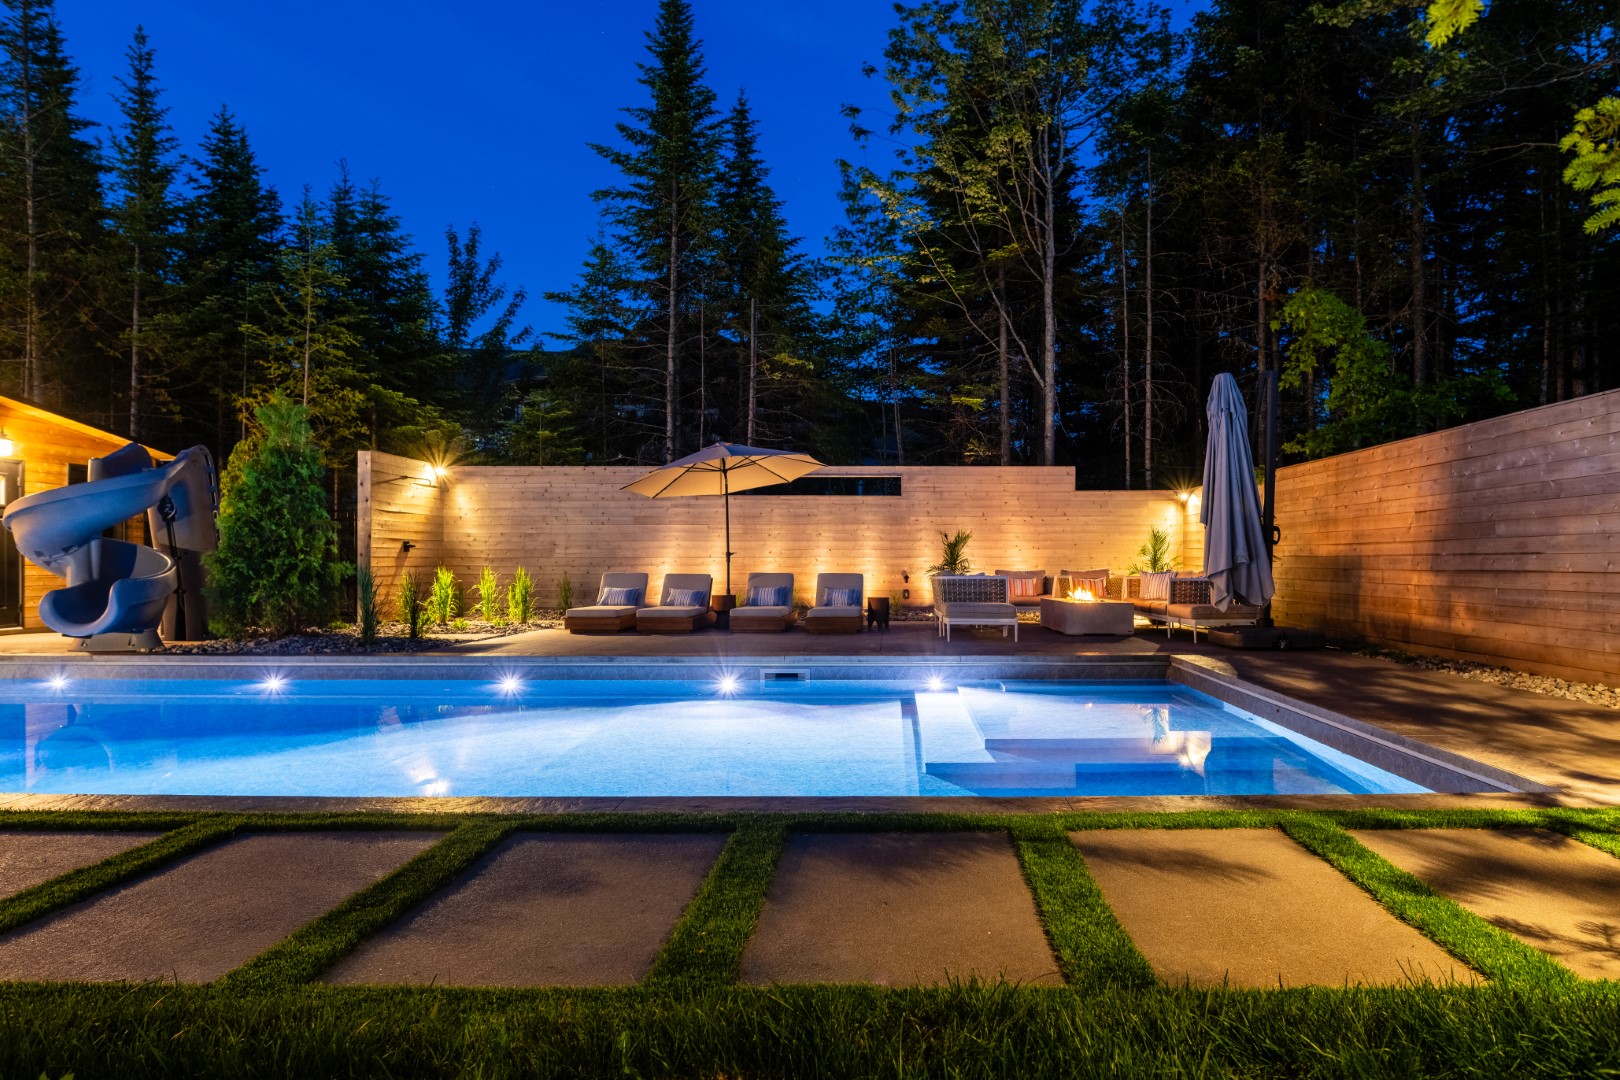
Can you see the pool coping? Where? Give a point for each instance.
(1471, 783)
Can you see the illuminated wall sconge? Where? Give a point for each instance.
(7, 447)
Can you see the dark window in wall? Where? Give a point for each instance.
(833, 485)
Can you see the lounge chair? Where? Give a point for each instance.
(1190, 607)
(758, 617)
(1024, 587)
(840, 617)
(672, 617)
(602, 618)
(977, 600)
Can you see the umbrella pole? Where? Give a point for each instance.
(725, 488)
(1268, 510)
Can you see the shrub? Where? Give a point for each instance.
(520, 597)
(276, 567)
(459, 626)
(953, 553)
(365, 587)
(444, 596)
(565, 593)
(1155, 554)
(488, 595)
(410, 605)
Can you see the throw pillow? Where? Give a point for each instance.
(1156, 586)
(1096, 586)
(840, 598)
(685, 598)
(767, 596)
(627, 597)
(1024, 586)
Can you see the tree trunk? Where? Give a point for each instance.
(753, 368)
(1419, 317)
(30, 224)
(135, 352)
(703, 378)
(1147, 345)
(1049, 314)
(670, 374)
(309, 319)
(1002, 362)
(1125, 343)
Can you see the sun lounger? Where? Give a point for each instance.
(600, 618)
(837, 618)
(976, 600)
(683, 606)
(1190, 608)
(761, 618)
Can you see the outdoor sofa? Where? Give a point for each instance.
(831, 614)
(767, 605)
(683, 606)
(1024, 587)
(609, 618)
(973, 600)
(1187, 605)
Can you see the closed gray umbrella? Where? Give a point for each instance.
(1234, 547)
(721, 469)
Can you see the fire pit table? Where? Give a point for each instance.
(1075, 617)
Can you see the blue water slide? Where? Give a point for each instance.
(115, 587)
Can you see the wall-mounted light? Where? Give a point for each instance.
(7, 447)
(905, 576)
(405, 547)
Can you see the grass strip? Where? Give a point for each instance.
(1493, 953)
(1092, 949)
(85, 882)
(706, 946)
(320, 944)
(1606, 842)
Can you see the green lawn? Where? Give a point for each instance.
(689, 1017)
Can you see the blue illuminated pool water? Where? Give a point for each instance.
(636, 738)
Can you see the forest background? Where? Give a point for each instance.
(1068, 218)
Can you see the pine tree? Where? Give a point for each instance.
(485, 360)
(50, 211)
(661, 213)
(144, 170)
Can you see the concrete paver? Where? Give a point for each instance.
(1249, 907)
(1548, 890)
(203, 916)
(899, 909)
(545, 910)
(32, 858)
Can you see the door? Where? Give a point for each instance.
(11, 577)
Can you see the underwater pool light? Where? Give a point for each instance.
(935, 684)
(58, 681)
(274, 684)
(510, 684)
(727, 685)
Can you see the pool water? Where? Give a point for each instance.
(716, 737)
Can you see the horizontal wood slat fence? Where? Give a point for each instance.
(1495, 542)
(577, 521)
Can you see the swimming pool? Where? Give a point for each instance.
(725, 736)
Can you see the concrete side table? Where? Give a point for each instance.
(1075, 617)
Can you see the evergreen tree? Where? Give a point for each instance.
(661, 215)
(144, 168)
(482, 335)
(50, 215)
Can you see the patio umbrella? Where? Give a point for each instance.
(721, 469)
(1235, 557)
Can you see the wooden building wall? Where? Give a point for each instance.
(47, 444)
(1497, 541)
(576, 521)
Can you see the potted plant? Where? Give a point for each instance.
(953, 553)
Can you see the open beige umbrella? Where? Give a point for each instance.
(721, 469)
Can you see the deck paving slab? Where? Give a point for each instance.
(1549, 891)
(899, 909)
(33, 858)
(1251, 908)
(199, 918)
(553, 909)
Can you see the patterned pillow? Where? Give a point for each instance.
(771, 596)
(840, 598)
(1096, 586)
(627, 597)
(685, 598)
(1156, 586)
(1025, 586)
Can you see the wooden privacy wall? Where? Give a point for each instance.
(576, 521)
(1494, 542)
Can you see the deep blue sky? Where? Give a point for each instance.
(482, 113)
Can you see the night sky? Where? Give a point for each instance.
(483, 113)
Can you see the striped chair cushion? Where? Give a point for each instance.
(1025, 586)
(840, 598)
(686, 598)
(627, 597)
(775, 596)
(1156, 586)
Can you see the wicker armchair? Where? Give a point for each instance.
(977, 600)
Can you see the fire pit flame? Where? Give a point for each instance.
(1084, 595)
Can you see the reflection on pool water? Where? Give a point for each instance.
(517, 737)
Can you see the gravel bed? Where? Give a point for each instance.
(1591, 693)
(345, 640)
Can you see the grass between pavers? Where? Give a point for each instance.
(706, 946)
(793, 1031)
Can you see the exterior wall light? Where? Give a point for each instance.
(8, 449)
